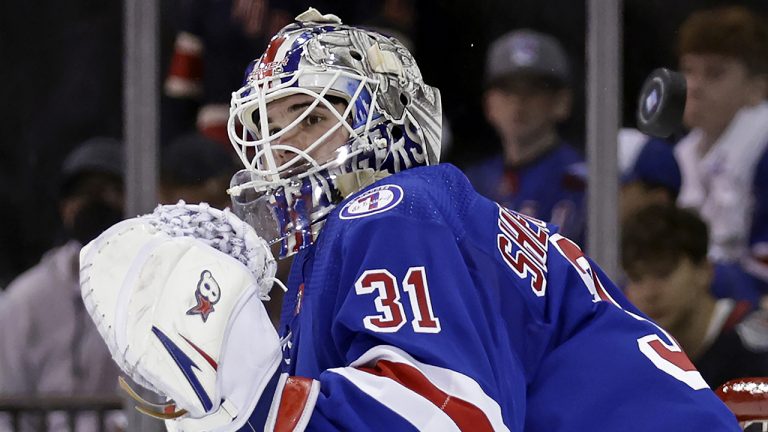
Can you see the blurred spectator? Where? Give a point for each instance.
(664, 253)
(196, 169)
(649, 172)
(70, 75)
(650, 175)
(527, 94)
(215, 41)
(724, 161)
(48, 344)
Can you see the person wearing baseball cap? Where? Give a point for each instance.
(46, 345)
(527, 95)
(649, 172)
(526, 54)
(91, 188)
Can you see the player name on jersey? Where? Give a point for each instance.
(530, 236)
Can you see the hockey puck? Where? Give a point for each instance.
(661, 103)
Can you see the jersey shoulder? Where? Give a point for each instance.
(439, 194)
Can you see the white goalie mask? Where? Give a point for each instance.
(323, 107)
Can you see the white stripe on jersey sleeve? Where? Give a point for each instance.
(449, 381)
(411, 406)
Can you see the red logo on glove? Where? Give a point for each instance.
(207, 295)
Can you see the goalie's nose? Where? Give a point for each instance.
(287, 146)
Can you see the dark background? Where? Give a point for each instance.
(61, 82)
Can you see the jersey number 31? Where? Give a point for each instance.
(391, 312)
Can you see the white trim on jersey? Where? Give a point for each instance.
(411, 406)
(398, 397)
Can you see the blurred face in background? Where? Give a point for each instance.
(718, 87)
(94, 204)
(668, 293)
(523, 110)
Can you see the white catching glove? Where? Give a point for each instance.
(176, 295)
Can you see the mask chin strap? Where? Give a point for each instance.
(349, 183)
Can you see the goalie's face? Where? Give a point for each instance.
(299, 139)
(305, 138)
(322, 103)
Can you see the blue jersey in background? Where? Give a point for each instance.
(551, 187)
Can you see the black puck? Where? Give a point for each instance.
(661, 103)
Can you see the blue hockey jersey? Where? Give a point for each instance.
(551, 188)
(425, 306)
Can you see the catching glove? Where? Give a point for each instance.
(177, 296)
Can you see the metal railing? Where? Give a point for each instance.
(23, 409)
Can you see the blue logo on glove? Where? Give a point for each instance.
(185, 364)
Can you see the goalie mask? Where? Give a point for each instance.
(325, 111)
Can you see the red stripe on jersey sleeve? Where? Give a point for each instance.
(467, 416)
(677, 358)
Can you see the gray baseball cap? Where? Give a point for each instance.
(99, 154)
(526, 53)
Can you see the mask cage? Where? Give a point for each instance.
(257, 140)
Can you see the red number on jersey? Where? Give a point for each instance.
(391, 313)
(387, 301)
(415, 284)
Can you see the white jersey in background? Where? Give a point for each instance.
(719, 184)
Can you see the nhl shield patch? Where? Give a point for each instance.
(374, 201)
